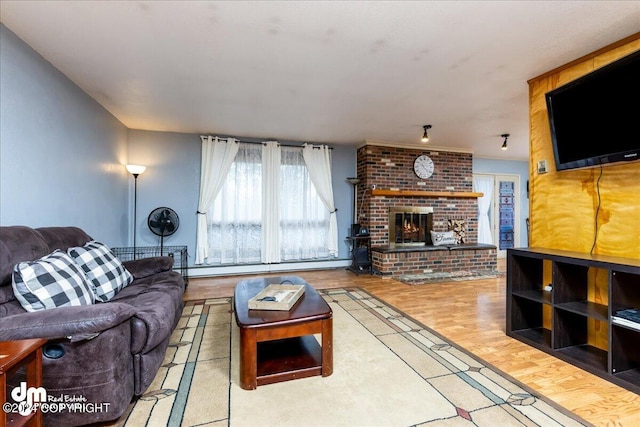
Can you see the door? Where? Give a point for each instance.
(504, 212)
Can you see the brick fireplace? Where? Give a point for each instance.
(392, 168)
(410, 226)
(447, 194)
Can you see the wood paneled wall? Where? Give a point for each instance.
(588, 210)
(566, 206)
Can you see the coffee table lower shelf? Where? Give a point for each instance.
(288, 359)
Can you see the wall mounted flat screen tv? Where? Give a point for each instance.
(595, 119)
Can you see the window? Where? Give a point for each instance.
(304, 220)
(236, 216)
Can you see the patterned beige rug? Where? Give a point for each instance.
(389, 370)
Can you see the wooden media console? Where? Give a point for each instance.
(552, 305)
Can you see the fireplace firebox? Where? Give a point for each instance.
(410, 226)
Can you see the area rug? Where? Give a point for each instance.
(389, 370)
(452, 276)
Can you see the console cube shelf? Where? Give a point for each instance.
(551, 306)
(178, 253)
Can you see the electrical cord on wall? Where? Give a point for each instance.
(595, 236)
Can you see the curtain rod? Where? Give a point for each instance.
(261, 143)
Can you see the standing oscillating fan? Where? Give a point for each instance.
(163, 222)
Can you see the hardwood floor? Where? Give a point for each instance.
(472, 314)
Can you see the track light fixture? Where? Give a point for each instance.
(425, 135)
(504, 144)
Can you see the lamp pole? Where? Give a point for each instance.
(135, 170)
(135, 210)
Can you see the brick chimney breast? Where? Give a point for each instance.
(392, 168)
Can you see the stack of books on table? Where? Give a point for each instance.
(629, 318)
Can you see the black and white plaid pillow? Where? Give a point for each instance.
(104, 270)
(51, 281)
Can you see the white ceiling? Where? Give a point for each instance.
(334, 72)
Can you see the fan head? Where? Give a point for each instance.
(163, 221)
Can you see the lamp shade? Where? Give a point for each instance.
(354, 181)
(136, 169)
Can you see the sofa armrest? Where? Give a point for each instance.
(74, 323)
(145, 267)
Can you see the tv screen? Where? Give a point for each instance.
(595, 120)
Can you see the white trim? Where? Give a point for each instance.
(226, 270)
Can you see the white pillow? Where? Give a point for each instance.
(51, 281)
(104, 270)
(443, 238)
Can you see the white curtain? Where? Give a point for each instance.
(268, 209)
(271, 155)
(318, 160)
(484, 184)
(304, 221)
(217, 157)
(235, 219)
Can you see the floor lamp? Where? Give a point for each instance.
(135, 170)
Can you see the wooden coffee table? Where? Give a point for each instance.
(277, 345)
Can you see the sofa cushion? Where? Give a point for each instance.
(145, 267)
(6, 294)
(19, 243)
(103, 269)
(51, 281)
(154, 319)
(63, 237)
(158, 303)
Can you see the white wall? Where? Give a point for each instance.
(61, 153)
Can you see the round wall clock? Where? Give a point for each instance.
(423, 166)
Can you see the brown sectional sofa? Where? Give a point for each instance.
(108, 352)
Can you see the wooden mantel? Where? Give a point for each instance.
(412, 193)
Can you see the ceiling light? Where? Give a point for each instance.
(425, 135)
(504, 144)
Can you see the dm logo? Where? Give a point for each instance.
(28, 398)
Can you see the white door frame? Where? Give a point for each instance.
(494, 214)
